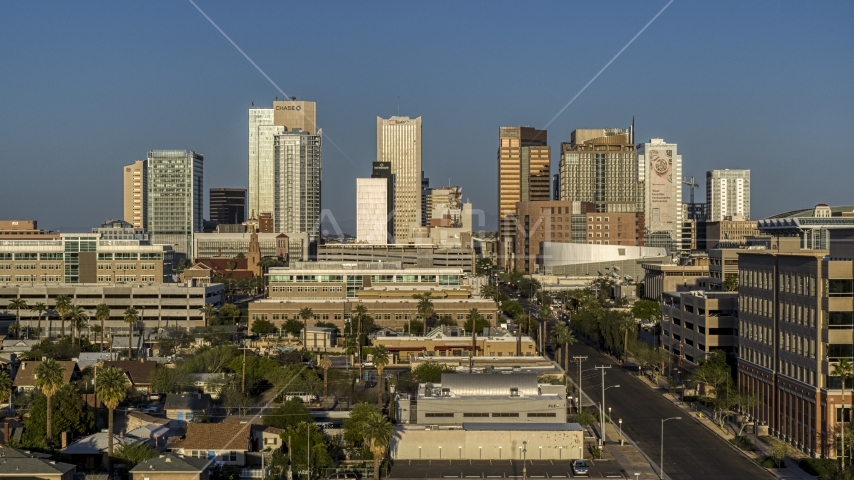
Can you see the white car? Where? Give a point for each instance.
(367, 363)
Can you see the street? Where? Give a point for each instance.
(690, 450)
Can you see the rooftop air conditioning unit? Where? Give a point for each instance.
(514, 392)
(446, 392)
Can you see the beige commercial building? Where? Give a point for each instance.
(524, 174)
(693, 324)
(136, 193)
(441, 343)
(723, 264)
(659, 279)
(422, 255)
(24, 229)
(730, 233)
(399, 143)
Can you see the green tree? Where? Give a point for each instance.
(479, 322)
(231, 312)
(446, 320)
(564, 337)
(210, 360)
(378, 431)
(512, 308)
(483, 266)
(102, 313)
(131, 318)
(583, 418)
(68, 414)
(529, 286)
(293, 327)
(39, 307)
(844, 370)
(262, 326)
(307, 440)
(131, 454)
(325, 363)
(305, 314)
(287, 415)
(646, 309)
(48, 379)
(381, 358)
(208, 311)
(731, 282)
(353, 427)
(172, 380)
(62, 305)
(112, 390)
(5, 387)
(17, 304)
(425, 306)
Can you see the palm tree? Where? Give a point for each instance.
(112, 390)
(325, 364)
(17, 304)
(474, 316)
(48, 379)
(626, 325)
(490, 292)
(207, 312)
(359, 313)
(102, 313)
(131, 317)
(305, 314)
(78, 316)
(39, 307)
(381, 358)
(425, 306)
(562, 335)
(845, 370)
(63, 304)
(378, 430)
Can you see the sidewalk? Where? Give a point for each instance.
(792, 470)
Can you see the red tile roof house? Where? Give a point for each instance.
(138, 372)
(223, 442)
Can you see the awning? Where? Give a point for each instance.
(406, 349)
(454, 347)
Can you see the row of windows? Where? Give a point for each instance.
(494, 415)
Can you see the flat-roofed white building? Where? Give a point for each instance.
(372, 210)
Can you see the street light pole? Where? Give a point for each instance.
(579, 359)
(661, 460)
(602, 406)
(525, 460)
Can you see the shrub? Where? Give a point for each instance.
(691, 398)
(770, 462)
(742, 442)
(820, 467)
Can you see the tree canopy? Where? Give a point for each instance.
(69, 415)
(287, 415)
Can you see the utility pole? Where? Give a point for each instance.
(602, 406)
(243, 379)
(578, 360)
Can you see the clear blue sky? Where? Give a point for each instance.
(87, 87)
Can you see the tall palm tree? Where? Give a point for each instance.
(39, 307)
(305, 314)
(208, 311)
(63, 304)
(112, 390)
(17, 304)
(626, 325)
(845, 370)
(359, 313)
(325, 364)
(102, 313)
(474, 317)
(562, 335)
(78, 316)
(48, 380)
(425, 306)
(131, 317)
(378, 430)
(381, 358)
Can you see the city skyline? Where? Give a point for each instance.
(700, 107)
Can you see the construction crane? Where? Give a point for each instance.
(692, 185)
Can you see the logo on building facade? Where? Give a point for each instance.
(288, 107)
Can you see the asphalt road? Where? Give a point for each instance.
(498, 469)
(690, 450)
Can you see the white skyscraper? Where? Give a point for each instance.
(399, 142)
(371, 210)
(660, 170)
(727, 194)
(175, 197)
(268, 193)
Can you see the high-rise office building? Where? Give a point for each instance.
(228, 205)
(175, 197)
(371, 210)
(524, 173)
(727, 194)
(297, 175)
(399, 143)
(264, 125)
(135, 183)
(556, 186)
(383, 170)
(425, 191)
(660, 170)
(601, 166)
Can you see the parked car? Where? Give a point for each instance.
(302, 396)
(579, 467)
(367, 363)
(370, 384)
(152, 409)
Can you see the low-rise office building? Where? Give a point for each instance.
(693, 324)
(487, 397)
(158, 305)
(83, 258)
(730, 232)
(441, 342)
(408, 255)
(332, 290)
(659, 279)
(230, 245)
(723, 265)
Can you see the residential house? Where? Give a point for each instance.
(157, 435)
(186, 406)
(25, 377)
(139, 419)
(90, 452)
(172, 467)
(266, 437)
(223, 442)
(139, 372)
(88, 359)
(210, 383)
(18, 345)
(21, 464)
